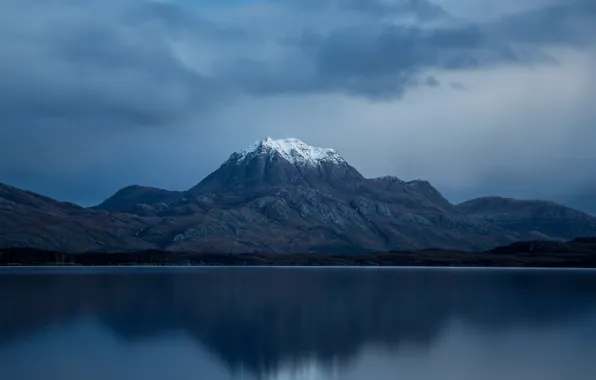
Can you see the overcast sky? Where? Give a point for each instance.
(492, 97)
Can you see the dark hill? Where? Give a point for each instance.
(531, 219)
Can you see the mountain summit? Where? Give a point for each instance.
(284, 162)
(293, 150)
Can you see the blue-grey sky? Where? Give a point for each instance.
(479, 97)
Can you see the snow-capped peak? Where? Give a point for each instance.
(293, 150)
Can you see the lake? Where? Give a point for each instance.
(296, 323)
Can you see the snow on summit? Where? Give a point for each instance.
(292, 149)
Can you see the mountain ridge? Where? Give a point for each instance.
(274, 196)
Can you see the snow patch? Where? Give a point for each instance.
(293, 150)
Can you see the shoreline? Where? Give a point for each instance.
(314, 267)
(575, 254)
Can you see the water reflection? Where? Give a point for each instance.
(296, 324)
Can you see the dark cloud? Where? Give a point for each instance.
(383, 60)
(389, 60)
(379, 62)
(569, 23)
(93, 70)
(423, 10)
(120, 67)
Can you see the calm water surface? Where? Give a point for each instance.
(282, 324)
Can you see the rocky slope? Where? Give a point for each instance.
(274, 196)
(31, 220)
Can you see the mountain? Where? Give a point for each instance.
(274, 196)
(284, 195)
(531, 219)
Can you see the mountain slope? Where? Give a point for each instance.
(531, 219)
(32, 220)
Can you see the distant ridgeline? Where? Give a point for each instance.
(579, 253)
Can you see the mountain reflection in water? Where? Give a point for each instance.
(288, 323)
